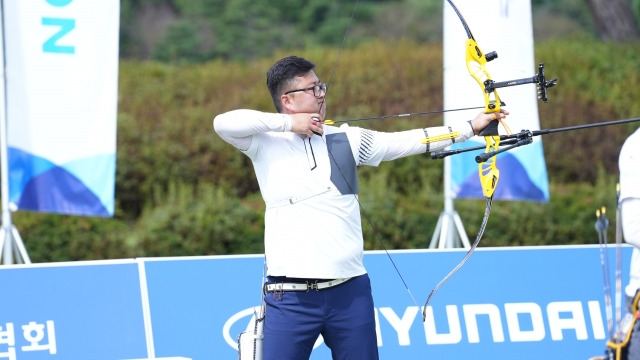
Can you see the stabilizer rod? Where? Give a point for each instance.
(524, 137)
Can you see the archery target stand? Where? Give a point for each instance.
(12, 250)
(449, 231)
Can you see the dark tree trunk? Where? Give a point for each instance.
(614, 20)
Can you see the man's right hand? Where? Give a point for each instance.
(306, 124)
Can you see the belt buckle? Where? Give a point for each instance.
(313, 285)
(278, 290)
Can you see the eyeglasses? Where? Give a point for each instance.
(317, 89)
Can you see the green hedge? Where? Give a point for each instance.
(181, 190)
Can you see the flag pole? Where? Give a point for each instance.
(9, 236)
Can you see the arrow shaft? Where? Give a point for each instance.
(383, 117)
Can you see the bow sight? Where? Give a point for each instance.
(539, 79)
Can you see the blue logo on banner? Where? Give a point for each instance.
(81, 187)
(65, 25)
(51, 45)
(523, 175)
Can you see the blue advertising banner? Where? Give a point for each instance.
(200, 306)
(533, 302)
(505, 303)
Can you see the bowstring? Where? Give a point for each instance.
(364, 213)
(375, 231)
(344, 40)
(384, 117)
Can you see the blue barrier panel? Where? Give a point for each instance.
(505, 303)
(524, 303)
(82, 310)
(191, 299)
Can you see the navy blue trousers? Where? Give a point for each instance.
(343, 315)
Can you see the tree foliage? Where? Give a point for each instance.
(615, 20)
(201, 30)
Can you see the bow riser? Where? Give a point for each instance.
(476, 61)
(488, 171)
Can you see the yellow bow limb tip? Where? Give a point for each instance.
(432, 139)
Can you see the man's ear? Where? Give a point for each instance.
(287, 103)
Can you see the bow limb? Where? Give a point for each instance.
(476, 61)
(488, 172)
(487, 211)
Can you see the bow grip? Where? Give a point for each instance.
(491, 129)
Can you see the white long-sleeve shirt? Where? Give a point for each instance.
(310, 186)
(629, 165)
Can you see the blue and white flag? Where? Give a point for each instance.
(61, 82)
(504, 26)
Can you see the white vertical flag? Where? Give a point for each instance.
(504, 26)
(61, 81)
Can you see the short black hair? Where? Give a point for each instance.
(282, 73)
